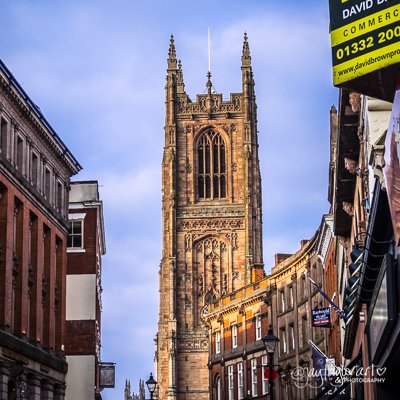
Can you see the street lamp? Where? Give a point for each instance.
(270, 342)
(151, 385)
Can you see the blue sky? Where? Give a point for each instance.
(97, 70)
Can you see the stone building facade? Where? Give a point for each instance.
(211, 220)
(284, 301)
(293, 299)
(35, 171)
(85, 248)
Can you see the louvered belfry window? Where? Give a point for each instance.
(212, 166)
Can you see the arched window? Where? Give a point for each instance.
(211, 166)
(218, 388)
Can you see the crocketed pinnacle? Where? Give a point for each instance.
(209, 84)
(171, 54)
(246, 58)
(180, 82)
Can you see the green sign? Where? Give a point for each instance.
(365, 36)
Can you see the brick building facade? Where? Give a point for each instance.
(35, 170)
(236, 324)
(85, 249)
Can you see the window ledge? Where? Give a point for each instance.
(76, 250)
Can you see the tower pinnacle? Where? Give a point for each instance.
(180, 82)
(246, 58)
(171, 54)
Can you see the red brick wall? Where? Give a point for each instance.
(30, 263)
(80, 337)
(85, 262)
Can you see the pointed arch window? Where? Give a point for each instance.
(211, 166)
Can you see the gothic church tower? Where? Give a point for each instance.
(211, 220)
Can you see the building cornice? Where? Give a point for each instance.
(38, 122)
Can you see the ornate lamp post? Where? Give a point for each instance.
(270, 342)
(151, 385)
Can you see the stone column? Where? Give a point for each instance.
(47, 391)
(59, 391)
(4, 374)
(35, 387)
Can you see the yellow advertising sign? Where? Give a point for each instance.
(365, 37)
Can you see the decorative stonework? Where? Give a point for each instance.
(185, 106)
(210, 225)
(355, 102)
(348, 208)
(192, 344)
(233, 239)
(188, 166)
(350, 165)
(210, 212)
(172, 135)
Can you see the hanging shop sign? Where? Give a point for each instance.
(365, 37)
(107, 375)
(392, 165)
(321, 317)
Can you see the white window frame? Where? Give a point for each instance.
(234, 336)
(217, 342)
(291, 297)
(292, 337)
(218, 388)
(73, 218)
(283, 305)
(283, 341)
(254, 383)
(265, 383)
(258, 328)
(240, 381)
(231, 394)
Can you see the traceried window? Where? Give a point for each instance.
(211, 166)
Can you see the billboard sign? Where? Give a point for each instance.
(365, 37)
(321, 317)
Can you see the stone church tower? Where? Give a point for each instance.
(211, 220)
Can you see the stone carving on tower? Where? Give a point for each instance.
(211, 220)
